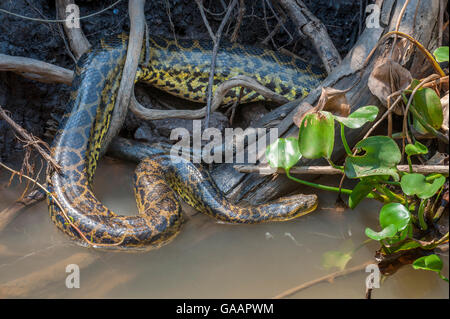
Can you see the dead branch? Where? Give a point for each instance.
(239, 21)
(328, 170)
(77, 40)
(35, 69)
(312, 28)
(137, 28)
(216, 40)
(219, 94)
(31, 140)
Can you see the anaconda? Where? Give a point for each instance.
(180, 68)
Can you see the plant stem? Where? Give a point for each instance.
(324, 187)
(344, 140)
(443, 277)
(391, 195)
(409, 163)
(422, 223)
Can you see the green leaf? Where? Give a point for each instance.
(316, 135)
(283, 153)
(360, 117)
(381, 157)
(430, 262)
(361, 190)
(441, 54)
(387, 232)
(417, 184)
(428, 104)
(416, 149)
(395, 214)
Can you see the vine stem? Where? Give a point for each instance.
(324, 187)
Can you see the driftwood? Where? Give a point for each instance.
(419, 20)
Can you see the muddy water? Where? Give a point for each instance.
(206, 260)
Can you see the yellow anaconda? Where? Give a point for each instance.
(180, 68)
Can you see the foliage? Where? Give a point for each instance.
(373, 162)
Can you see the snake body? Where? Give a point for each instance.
(180, 68)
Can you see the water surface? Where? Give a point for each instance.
(207, 259)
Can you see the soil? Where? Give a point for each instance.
(38, 106)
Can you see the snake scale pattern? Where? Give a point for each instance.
(182, 69)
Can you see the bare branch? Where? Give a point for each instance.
(35, 69)
(328, 170)
(216, 39)
(137, 28)
(77, 40)
(220, 93)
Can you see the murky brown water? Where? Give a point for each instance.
(206, 260)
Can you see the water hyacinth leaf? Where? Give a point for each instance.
(419, 127)
(395, 214)
(417, 184)
(316, 135)
(387, 232)
(359, 192)
(428, 104)
(430, 262)
(441, 54)
(416, 149)
(360, 117)
(381, 157)
(283, 153)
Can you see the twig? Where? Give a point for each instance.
(329, 278)
(31, 140)
(216, 40)
(429, 56)
(328, 170)
(397, 26)
(239, 21)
